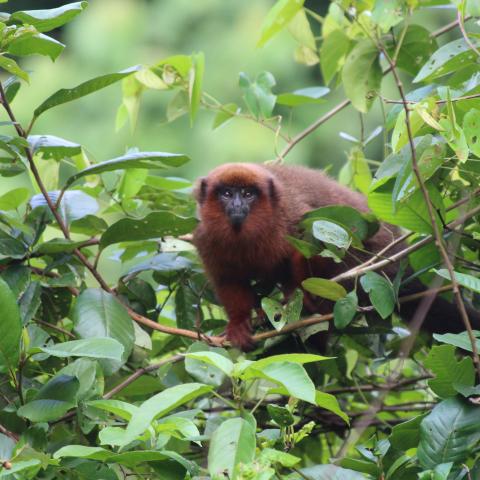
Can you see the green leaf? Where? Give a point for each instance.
(345, 309)
(53, 147)
(117, 407)
(18, 466)
(215, 359)
(310, 95)
(464, 279)
(330, 403)
(53, 400)
(99, 314)
(279, 315)
(300, 358)
(89, 225)
(14, 198)
(460, 340)
(447, 59)
(332, 233)
(12, 67)
(292, 377)
(417, 46)
(82, 451)
(406, 435)
(359, 224)
(471, 128)
(328, 472)
(411, 214)
(287, 460)
(57, 245)
(447, 370)
(36, 44)
(69, 94)
(154, 225)
(258, 95)
(274, 311)
(380, 292)
(99, 348)
(280, 415)
(362, 75)
(324, 288)
(160, 404)
(388, 13)
(278, 18)
(195, 84)
(46, 20)
(11, 86)
(129, 459)
(333, 52)
(226, 113)
(232, 444)
(449, 433)
(88, 374)
(11, 327)
(75, 204)
(147, 160)
(362, 177)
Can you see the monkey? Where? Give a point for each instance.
(246, 212)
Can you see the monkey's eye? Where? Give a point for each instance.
(226, 193)
(247, 192)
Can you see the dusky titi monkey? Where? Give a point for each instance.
(246, 211)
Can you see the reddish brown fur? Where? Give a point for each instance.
(260, 251)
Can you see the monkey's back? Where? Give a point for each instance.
(307, 189)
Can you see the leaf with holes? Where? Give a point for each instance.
(362, 75)
(447, 59)
(471, 128)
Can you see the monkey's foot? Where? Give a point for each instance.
(240, 336)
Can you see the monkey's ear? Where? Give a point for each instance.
(200, 190)
(273, 190)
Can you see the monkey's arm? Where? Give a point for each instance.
(238, 300)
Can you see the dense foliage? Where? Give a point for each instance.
(115, 373)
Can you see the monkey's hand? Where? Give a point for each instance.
(239, 335)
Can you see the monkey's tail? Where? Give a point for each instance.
(439, 315)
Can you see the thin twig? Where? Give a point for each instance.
(9, 434)
(56, 328)
(438, 102)
(312, 128)
(375, 387)
(461, 19)
(138, 373)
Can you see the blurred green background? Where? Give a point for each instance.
(114, 34)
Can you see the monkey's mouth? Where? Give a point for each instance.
(237, 219)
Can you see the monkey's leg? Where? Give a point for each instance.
(238, 300)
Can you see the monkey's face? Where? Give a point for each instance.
(236, 202)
